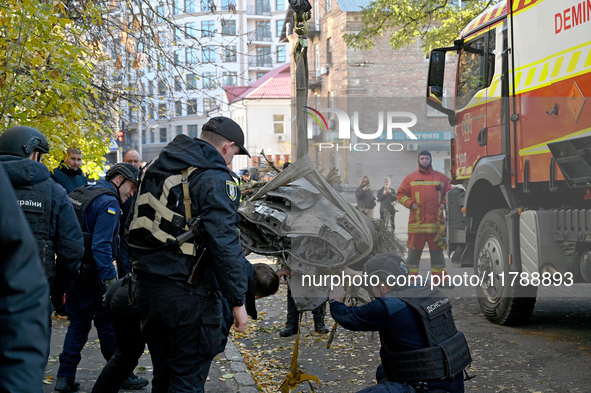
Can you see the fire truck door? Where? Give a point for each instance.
(473, 79)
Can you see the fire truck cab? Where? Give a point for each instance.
(521, 149)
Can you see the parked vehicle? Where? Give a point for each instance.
(521, 149)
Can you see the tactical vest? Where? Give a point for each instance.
(35, 201)
(158, 218)
(81, 199)
(448, 352)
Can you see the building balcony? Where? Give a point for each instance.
(259, 39)
(253, 13)
(254, 63)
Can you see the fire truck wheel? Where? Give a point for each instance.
(502, 299)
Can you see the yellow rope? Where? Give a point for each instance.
(295, 377)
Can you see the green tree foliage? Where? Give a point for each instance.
(436, 23)
(47, 79)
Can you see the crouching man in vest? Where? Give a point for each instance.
(421, 349)
(97, 209)
(180, 287)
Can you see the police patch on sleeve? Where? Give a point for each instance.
(231, 190)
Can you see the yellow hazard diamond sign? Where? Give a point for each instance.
(575, 102)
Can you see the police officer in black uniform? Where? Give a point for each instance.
(97, 209)
(24, 299)
(421, 348)
(46, 207)
(180, 289)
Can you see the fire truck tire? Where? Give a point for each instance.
(499, 301)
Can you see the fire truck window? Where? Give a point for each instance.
(491, 56)
(470, 71)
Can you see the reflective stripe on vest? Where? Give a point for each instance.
(161, 213)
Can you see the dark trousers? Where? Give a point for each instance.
(84, 305)
(131, 344)
(182, 325)
(293, 315)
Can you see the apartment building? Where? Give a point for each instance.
(210, 44)
(372, 87)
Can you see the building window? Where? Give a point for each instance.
(209, 80)
(176, 7)
(178, 34)
(191, 55)
(150, 88)
(178, 108)
(207, 28)
(331, 103)
(228, 5)
(177, 57)
(317, 60)
(328, 5)
(161, 87)
(329, 51)
(263, 30)
(163, 135)
(208, 104)
(191, 82)
(191, 107)
(160, 14)
(260, 74)
(207, 5)
(209, 54)
(189, 6)
(264, 57)
(151, 112)
(190, 30)
(278, 124)
(279, 27)
(229, 27)
(281, 54)
(178, 83)
(230, 54)
(162, 111)
(262, 6)
(280, 5)
(230, 78)
(192, 131)
(144, 136)
(179, 130)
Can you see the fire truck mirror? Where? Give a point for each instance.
(436, 73)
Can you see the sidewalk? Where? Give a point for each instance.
(228, 373)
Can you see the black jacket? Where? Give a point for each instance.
(386, 201)
(64, 230)
(215, 197)
(68, 178)
(24, 300)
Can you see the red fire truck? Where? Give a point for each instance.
(521, 150)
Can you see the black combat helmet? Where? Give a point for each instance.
(22, 141)
(384, 265)
(128, 171)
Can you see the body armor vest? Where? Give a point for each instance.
(448, 352)
(35, 201)
(81, 199)
(158, 218)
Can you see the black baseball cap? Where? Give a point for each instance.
(227, 128)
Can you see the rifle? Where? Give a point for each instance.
(196, 235)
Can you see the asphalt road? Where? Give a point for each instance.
(550, 354)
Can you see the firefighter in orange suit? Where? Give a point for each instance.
(423, 192)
